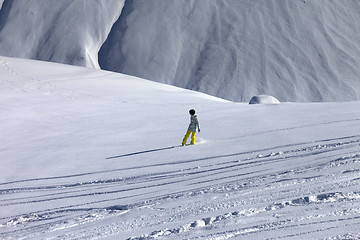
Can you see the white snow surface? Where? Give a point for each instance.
(294, 50)
(90, 154)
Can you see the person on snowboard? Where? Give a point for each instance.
(194, 124)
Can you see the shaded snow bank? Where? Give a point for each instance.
(65, 31)
(295, 50)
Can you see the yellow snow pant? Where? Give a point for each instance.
(187, 136)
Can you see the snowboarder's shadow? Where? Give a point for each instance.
(142, 152)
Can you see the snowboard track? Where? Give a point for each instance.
(85, 202)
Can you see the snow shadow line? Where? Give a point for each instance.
(142, 152)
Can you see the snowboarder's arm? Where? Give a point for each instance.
(198, 124)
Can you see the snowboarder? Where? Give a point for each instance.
(194, 124)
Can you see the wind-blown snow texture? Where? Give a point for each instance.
(90, 154)
(300, 50)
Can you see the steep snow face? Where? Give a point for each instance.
(293, 50)
(64, 31)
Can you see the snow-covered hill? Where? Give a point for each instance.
(90, 154)
(296, 50)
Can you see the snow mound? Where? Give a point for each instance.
(264, 99)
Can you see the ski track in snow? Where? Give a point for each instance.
(247, 179)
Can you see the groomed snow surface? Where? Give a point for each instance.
(90, 154)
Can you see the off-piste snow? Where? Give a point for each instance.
(88, 154)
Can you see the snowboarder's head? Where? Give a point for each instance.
(192, 112)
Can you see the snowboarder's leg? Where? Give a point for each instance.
(193, 137)
(186, 137)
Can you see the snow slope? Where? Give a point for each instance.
(293, 50)
(90, 154)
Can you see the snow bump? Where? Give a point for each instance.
(264, 99)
